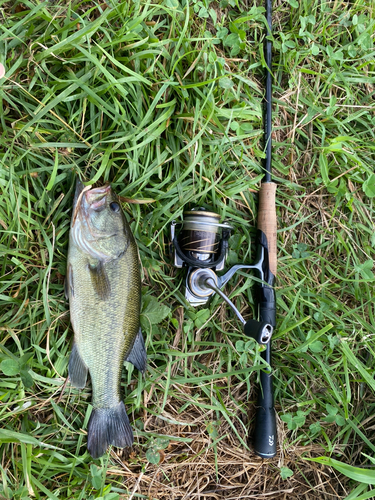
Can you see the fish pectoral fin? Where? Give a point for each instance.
(68, 285)
(66, 293)
(77, 369)
(100, 280)
(138, 354)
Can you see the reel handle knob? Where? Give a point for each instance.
(261, 331)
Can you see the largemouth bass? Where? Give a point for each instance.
(104, 291)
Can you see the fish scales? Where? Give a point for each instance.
(104, 292)
(105, 330)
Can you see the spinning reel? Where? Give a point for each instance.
(202, 246)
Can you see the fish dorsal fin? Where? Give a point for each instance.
(99, 279)
(77, 369)
(138, 354)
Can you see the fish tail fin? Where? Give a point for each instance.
(108, 426)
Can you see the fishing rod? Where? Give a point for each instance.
(201, 245)
(265, 420)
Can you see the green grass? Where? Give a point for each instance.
(164, 100)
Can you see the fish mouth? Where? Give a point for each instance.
(96, 197)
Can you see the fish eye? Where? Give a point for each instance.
(115, 207)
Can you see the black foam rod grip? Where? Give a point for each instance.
(267, 304)
(265, 437)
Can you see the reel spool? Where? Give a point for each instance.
(202, 241)
(200, 235)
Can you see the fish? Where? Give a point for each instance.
(103, 286)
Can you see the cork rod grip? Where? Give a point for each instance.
(267, 220)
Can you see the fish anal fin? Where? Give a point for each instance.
(77, 369)
(100, 280)
(138, 354)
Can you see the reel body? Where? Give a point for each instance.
(202, 246)
(202, 243)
